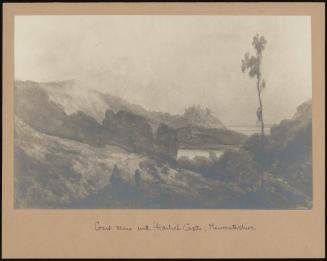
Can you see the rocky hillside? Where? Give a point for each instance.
(63, 110)
(125, 129)
(288, 150)
(72, 98)
(202, 117)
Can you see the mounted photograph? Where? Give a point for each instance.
(162, 112)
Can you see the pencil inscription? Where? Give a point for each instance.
(176, 227)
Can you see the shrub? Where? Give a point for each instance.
(239, 167)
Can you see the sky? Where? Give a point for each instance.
(168, 63)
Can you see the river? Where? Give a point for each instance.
(191, 153)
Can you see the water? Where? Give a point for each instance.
(189, 153)
(249, 130)
(245, 129)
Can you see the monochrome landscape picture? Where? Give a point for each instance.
(162, 112)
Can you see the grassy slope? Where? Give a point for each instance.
(52, 172)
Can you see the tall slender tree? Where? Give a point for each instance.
(253, 65)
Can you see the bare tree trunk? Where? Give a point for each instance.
(262, 130)
(259, 96)
(261, 110)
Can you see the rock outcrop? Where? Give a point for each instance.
(128, 129)
(166, 144)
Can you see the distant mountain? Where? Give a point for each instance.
(202, 117)
(72, 98)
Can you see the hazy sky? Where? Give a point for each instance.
(167, 63)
